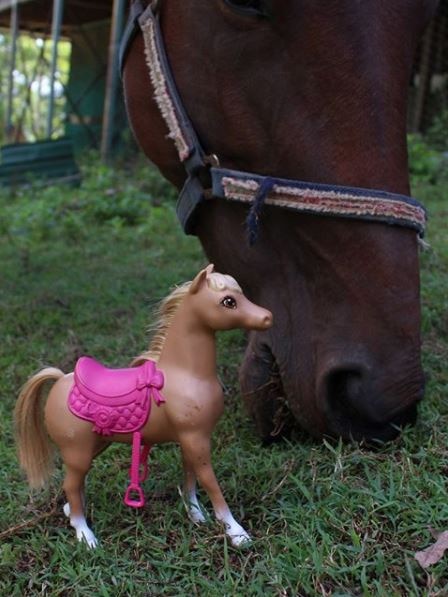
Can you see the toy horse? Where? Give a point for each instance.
(93, 406)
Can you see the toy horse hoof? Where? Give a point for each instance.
(236, 533)
(243, 540)
(86, 536)
(66, 509)
(196, 515)
(83, 532)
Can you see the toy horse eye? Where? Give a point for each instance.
(229, 302)
(257, 8)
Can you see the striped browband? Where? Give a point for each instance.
(243, 187)
(321, 199)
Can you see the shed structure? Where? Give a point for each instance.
(95, 115)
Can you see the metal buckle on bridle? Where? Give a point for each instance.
(212, 160)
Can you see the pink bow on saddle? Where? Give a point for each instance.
(153, 379)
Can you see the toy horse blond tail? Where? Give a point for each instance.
(34, 448)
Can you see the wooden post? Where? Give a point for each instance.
(110, 99)
(58, 9)
(14, 32)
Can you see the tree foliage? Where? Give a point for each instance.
(31, 87)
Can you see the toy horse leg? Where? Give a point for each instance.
(197, 455)
(77, 467)
(66, 506)
(194, 509)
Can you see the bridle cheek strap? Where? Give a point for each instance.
(205, 179)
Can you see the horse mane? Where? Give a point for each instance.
(164, 315)
(165, 312)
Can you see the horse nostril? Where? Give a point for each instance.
(358, 405)
(345, 390)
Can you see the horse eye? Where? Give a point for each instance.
(250, 7)
(229, 302)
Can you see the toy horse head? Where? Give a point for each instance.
(223, 304)
(213, 301)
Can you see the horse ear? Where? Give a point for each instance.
(200, 279)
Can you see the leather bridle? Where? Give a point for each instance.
(206, 180)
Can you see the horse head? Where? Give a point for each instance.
(220, 303)
(316, 91)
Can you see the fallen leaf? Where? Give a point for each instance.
(432, 554)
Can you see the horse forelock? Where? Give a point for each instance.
(219, 282)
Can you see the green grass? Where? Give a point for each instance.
(80, 270)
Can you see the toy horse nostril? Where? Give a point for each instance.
(263, 322)
(268, 320)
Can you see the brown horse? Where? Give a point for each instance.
(313, 90)
(184, 348)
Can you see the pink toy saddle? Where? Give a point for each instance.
(118, 401)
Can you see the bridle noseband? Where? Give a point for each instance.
(206, 179)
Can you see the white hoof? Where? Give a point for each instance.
(66, 509)
(88, 537)
(83, 532)
(195, 514)
(240, 540)
(191, 503)
(235, 532)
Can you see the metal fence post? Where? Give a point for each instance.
(110, 100)
(14, 32)
(58, 8)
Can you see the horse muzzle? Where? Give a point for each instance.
(357, 405)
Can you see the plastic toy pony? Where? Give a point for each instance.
(93, 406)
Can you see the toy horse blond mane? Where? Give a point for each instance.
(165, 312)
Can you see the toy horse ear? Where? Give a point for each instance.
(200, 279)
